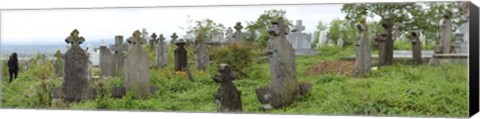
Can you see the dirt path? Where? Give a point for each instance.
(343, 67)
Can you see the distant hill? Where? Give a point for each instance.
(26, 50)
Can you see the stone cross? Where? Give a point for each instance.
(416, 48)
(180, 56)
(75, 78)
(118, 50)
(447, 31)
(227, 98)
(387, 25)
(201, 55)
(283, 89)
(238, 31)
(380, 39)
(137, 69)
(74, 39)
(174, 38)
(161, 59)
(298, 27)
(58, 63)
(229, 34)
(152, 41)
(363, 57)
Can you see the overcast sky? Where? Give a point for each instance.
(29, 26)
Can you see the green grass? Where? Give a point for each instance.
(397, 90)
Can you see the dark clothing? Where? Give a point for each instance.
(13, 67)
(13, 74)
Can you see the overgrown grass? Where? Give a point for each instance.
(397, 90)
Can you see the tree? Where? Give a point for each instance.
(399, 18)
(390, 14)
(260, 26)
(202, 30)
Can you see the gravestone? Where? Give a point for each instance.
(387, 25)
(58, 65)
(446, 32)
(283, 89)
(340, 41)
(227, 98)
(161, 58)
(75, 78)
(180, 56)
(381, 42)
(94, 56)
(229, 35)
(301, 42)
(118, 50)
(153, 41)
(137, 74)
(363, 57)
(174, 38)
(217, 38)
(462, 37)
(201, 55)
(321, 39)
(329, 41)
(238, 32)
(416, 48)
(107, 62)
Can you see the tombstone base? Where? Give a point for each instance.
(264, 95)
(305, 88)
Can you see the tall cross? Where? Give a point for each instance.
(118, 47)
(154, 36)
(74, 39)
(299, 27)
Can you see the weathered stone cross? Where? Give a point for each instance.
(74, 39)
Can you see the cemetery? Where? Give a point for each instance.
(362, 69)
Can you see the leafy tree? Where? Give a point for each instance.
(259, 27)
(390, 14)
(202, 30)
(399, 18)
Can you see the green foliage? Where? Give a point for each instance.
(202, 30)
(396, 90)
(426, 16)
(238, 55)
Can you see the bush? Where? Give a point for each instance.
(238, 55)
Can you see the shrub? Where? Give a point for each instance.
(238, 55)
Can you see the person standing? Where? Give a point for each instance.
(13, 66)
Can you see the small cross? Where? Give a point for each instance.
(154, 36)
(238, 26)
(74, 39)
(161, 38)
(135, 39)
(174, 36)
